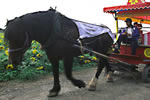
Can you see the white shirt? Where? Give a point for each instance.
(129, 31)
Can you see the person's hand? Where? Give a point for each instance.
(124, 33)
(129, 34)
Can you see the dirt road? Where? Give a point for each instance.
(123, 88)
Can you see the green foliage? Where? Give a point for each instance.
(35, 63)
(29, 73)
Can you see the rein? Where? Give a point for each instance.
(26, 44)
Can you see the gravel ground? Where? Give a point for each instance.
(124, 87)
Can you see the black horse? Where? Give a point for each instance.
(57, 34)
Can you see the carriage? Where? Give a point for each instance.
(138, 11)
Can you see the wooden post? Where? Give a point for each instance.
(116, 19)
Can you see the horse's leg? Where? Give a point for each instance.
(68, 61)
(93, 82)
(56, 87)
(109, 71)
(101, 64)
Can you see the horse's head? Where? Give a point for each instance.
(18, 44)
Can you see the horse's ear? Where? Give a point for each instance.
(55, 7)
(50, 7)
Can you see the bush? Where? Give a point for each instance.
(35, 63)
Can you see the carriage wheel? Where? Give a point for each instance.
(146, 74)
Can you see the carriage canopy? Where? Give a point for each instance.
(137, 10)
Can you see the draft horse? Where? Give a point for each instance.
(57, 34)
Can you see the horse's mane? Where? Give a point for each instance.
(12, 20)
(21, 17)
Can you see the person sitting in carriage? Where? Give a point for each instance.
(141, 38)
(129, 35)
(139, 26)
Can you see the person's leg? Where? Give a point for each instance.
(134, 45)
(122, 38)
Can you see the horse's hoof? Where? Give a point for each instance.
(53, 94)
(110, 80)
(79, 84)
(91, 87)
(92, 84)
(109, 77)
(82, 85)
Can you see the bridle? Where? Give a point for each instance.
(25, 46)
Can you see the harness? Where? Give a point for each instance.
(81, 46)
(25, 46)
